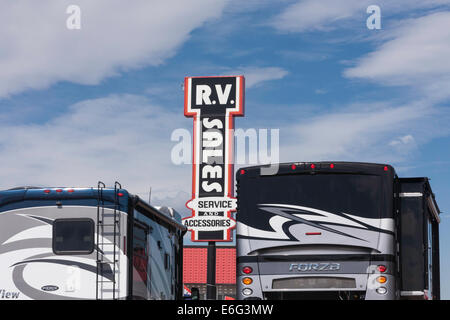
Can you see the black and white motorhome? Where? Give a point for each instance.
(88, 243)
(336, 230)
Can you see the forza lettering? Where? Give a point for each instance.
(301, 267)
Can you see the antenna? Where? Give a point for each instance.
(150, 195)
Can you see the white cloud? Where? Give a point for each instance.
(176, 200)
(127, 138)
(320, 91)
(306, 55)
(404, 145)
(405, 140)
(38, 50)
(416, 55)
(384, 132)
(124, 138)
(254, 76)
(310, 15)
(370, 134)
(325, 15)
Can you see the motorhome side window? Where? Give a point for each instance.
(166, 260)
(73, 236)
(141, 277)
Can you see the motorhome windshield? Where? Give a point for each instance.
(355, 194)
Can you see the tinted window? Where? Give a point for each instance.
(141, 276)
(166, 261)
(360, 195)
(73, 236)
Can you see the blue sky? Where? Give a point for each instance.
(100, 103)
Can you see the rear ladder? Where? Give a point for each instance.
(108, 245)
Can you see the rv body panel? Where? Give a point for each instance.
(336, 231)
(162, 246)
(419, 240)
(87, 244)
(30, 266)
(317, 229)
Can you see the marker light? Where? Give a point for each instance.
(331, 165)
(120, 194)
(381, 290)
(242, 171)
(382, 279)
(385, 168)
(381, 268)
(313, 166)
(70, 190)
(247, 270)
(47, 191)
(247, 291)
(58, 190)
(247, 281)
(293, 167)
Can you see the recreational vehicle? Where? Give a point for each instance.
(88, 243)
(336, 230)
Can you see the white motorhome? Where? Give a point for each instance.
(88, 243)
(336, 230)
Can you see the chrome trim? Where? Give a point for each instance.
(410, 194)
(412, 293)
(433, 209)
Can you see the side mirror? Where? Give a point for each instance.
(195, 294)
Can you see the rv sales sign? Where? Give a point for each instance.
(212, 102)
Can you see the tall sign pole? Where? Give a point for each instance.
(213, 102)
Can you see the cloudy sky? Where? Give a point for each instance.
(101, 102)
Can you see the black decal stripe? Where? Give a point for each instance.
(306, 212)
(280, 212)
(364, 226)
(107, 272)
(369, 228)
(286, 227)
(263, 238)
(45, 220)
(96, 247)
(323, 257)
(34, 293)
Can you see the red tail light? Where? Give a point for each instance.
(247, 270)
(381, 268)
